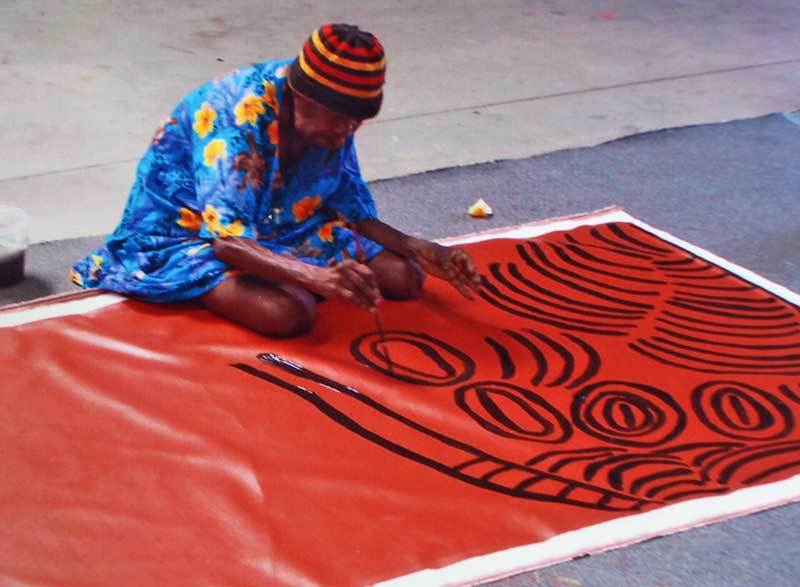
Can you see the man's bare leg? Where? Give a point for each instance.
(398, 278)
(273, 309)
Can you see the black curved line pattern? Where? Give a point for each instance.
(576, 285)
(616, 475)
(574, 306)
(761, 453)
(709, 297)
(772, 471)
(506, 477)
(621, 230)
(605, 247)
(492, 295)
(675, 358)
(792, 360)
(627, 413)
(566, 357)
(742, 411)
(598, 465)
(512, 412)
(539, 252)
(561, 253)
(584, 254)
(507, 366)
(592, 452)
(737, 335)
(592, 366)
(727, 344)
(451, 365)
(639, 484)
(685, 494)
(618, 247)
(746, 307)
(739, 315)
(791, 395)
(538, 356)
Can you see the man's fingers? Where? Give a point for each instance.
(360, 282)
(467, 269)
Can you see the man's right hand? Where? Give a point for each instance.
(351, 281)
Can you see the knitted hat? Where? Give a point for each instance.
(342, 68)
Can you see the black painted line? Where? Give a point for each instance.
(586, 290)
(559, 250)
(574, 308)
(514, 271)
(561, 350)
(581, 251)
(507, 367)
(538, 356)
(717, 342)
(540, 254)
(717, 353)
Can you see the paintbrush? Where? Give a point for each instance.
(361, 258)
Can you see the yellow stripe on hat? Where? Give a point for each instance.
(334, 86)
(333, 58)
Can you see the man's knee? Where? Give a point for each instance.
(399, 278)
(296, 314)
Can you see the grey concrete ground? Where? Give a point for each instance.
(84, 83)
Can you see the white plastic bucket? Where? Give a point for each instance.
(13, 244)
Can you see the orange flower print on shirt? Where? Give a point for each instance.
(211, 218)
(270, 97)
(189, 219)
(249, 109)
(272, 132)
(305, 208)
(214, 151)
(204, 120)
(326, 232)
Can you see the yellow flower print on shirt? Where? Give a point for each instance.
(212, 219)
(204, 120)
(248, 109)
(270, 96)
(214, 151)
(305, 208)
(189, 219)
(326, 232)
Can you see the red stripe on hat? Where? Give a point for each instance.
(334, 43)
(375, 52)
(367, 82)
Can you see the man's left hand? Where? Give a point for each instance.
(452, 264)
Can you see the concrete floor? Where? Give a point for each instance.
(85, 83)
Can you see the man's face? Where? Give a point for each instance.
(321, 127)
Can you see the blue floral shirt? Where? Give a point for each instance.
(213, 169)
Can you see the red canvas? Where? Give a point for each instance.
(605, 374)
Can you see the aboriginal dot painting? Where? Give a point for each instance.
(605, 378)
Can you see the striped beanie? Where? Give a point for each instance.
(342, 68)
